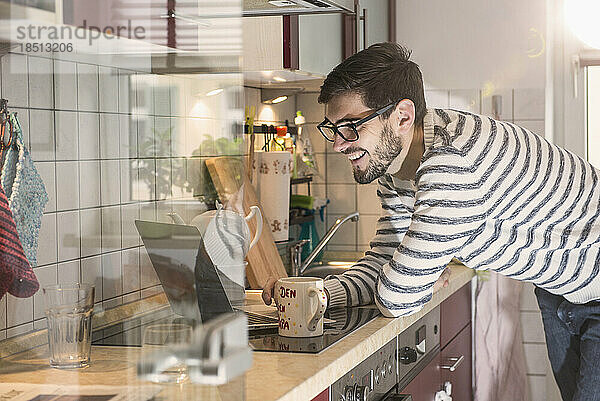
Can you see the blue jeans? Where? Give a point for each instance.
(573, 341)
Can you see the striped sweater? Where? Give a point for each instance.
(495, 196)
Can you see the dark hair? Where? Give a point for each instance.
(381, 74)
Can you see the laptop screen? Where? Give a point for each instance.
(186, 272)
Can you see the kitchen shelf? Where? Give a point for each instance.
(301, 180)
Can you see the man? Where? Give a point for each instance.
(455, 184)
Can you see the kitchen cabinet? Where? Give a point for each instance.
(453, 362)
(457, 355)
(424, 386)
(310, 43)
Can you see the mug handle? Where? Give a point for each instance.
(321, 306)
(255, 212)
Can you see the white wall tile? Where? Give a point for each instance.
(47, 241)
(109, 137)
(23, 117)
(537, 388)
(87, 87)
(131, 297)
(146, 185)
(148, 292)
(68, 272)
(466, 100)
(40, 83)
(437, 98)
(18, 310)
(91, 232)
(178, 137)
(130, 259)
(529, 104)
(68, 235)
(339, 170)
(67, 185)
(2, 314)
(112, 303)
(67, 135)
(346, 235)
(366, 229)
(19, 330)
(128, 173)
(110, 182)
(536, 126)
(162, 136)
(342, 198)
(91, 273)
(112, 280)
(125, 92)
(14, 80)
(47, 172)
(163, 179)
(65, 85)
(89, 183)
(41, 138)
(146, 140)
(108, 89)
(532, 327)
(309, 106)
(163, 208)
(536, 358)
(321, 162)
(40, 324)
(128, 136)
(89, 141)
(318, 142)
(528, 299)
(2, 334)
(148, 211)
(176, 101)
(148, 277)
(111, 228)
(368, 201)
(129, 213)
(161, 96)
(506, 113)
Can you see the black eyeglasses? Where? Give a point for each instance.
(349, 131)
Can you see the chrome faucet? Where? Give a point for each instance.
(326, 238)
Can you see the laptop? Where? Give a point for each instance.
(194, 287)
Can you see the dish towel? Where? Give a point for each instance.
(25, 191)
(16, 275)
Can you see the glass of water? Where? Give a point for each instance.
(69, 310)
(166, 337)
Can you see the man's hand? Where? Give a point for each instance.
(443, 281)
(267, 294)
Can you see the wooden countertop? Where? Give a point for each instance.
(273, 376)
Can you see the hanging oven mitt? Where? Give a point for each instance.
(16, 276)
(25, 191)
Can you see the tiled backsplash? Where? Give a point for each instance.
(112, 146)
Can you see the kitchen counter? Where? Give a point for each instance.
(273, 376)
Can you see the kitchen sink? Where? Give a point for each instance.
(324, 269)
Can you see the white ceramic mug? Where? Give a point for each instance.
(301, 302)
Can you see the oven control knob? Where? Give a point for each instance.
(361, 393)
(390, 367)
(408, 355)
(383, 371)
(377, 376)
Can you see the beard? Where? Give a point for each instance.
(387, 149)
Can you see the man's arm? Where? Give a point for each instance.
(357, 286)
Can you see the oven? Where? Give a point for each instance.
(394, 366)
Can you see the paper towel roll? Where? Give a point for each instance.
(273, 187)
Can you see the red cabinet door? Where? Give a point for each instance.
(427, 383)
(455, 314)
(460, 377)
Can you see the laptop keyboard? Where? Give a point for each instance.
(254, 319)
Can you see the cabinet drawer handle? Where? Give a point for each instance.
(457, 362)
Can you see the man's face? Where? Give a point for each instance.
(378, 144)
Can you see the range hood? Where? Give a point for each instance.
(255, 8)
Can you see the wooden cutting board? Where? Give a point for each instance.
(230, 181)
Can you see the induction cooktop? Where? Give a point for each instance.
(129, 332)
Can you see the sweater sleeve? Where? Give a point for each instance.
(448, 215)
(357, 286)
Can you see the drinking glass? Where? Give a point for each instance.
(69, 310)
(165, 337)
